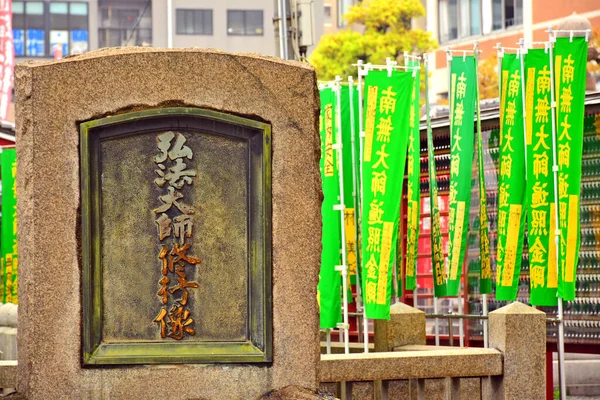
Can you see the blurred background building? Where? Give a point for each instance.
(459, 23)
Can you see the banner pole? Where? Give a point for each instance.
(430, 154)
(328, 338)
(522, 52)
(415, 294)
(485, 321)
(342, 208)
(436, 327)
(354, 186)
(482, 191)
(561, 331)
(449, 66)
(362, 72)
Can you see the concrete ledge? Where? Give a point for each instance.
(8, 374)
(418, 347)
(338, 348)
(458, 362)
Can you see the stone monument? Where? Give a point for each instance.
(168, 205)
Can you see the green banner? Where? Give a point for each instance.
(349, 107)
(413, 214)
(463, 89)
(511, 185)
(10, 258)
(387, 113)
(539, 196)
(437, 252)
(485, 266)
(328, 291)
(570, 59)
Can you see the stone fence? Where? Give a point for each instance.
(403, 367)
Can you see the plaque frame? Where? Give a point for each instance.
(258, 346)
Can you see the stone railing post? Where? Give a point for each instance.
(406, 326)
(519, 332)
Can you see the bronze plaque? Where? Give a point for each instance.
(176, 238)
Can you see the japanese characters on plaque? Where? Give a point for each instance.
(173, 218)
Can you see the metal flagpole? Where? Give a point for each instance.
(342, 208)
(354, 188)
(449, 66)
(428, 123)
(521, 54)
(561, 329)
(480, 150)
(362, 71)
(395, 281)
(328, 336)
(415, 294)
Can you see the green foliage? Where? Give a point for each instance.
(387, 33)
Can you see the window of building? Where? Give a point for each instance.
(464, 18)
(194, 22)
(245, 22)
(42, 29)
(507, 13)
(327, 14)
(124, 23)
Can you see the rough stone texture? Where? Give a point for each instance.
(331, 388)
(361, 391)
(295, 393)
(52, 98)
(8, 374)
(436, 389)
(399, 389)
(338, 348)
(406, 326)
(460, 362)
(470, 388)
(519, 332)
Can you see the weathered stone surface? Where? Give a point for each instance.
(52, 99)
(460, 362)
(399, 389)
(361, 391)
(338, 348)
(470, 388)
(296, 393)
(436, 389)
(519, 332)
(8, 374)
(406, 326)
(329, 388)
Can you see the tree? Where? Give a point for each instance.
(387, 33)
(488, 77)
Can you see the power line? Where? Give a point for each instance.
(138, 22)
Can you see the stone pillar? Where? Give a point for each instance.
(519, 332)
(406, 326)
(257, 115)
